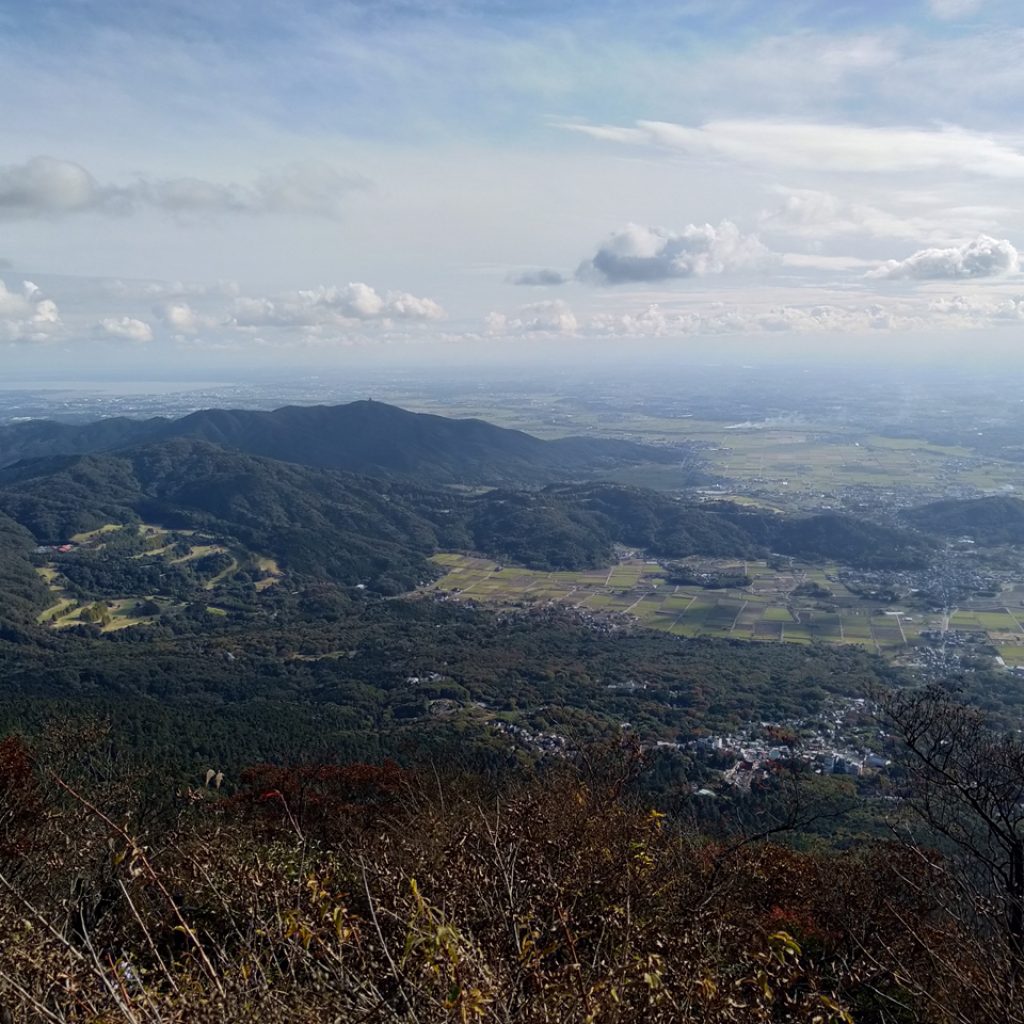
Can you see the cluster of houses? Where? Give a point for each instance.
(840, 743)
(541, 742)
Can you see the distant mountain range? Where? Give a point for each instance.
(366, 437)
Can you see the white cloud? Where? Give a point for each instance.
(316, 312)
(638, 253)
(48, 187)
(550, 317)
(128, 328)
(403, 306)
(983, 257)
(27, 315)
(181, 317)
(355, 301)
(334, 306)
(816, 147)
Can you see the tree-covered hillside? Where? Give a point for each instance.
(361, 437)
(352, 529)
(995, 520)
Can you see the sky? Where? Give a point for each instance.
(277, 184)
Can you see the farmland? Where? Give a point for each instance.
(788, 605)
(796, 460)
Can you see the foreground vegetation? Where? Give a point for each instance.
(362, 893)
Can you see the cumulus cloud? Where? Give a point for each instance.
(818, 147)
(552, 317)
(128, 328)
(48, 187)
(182, 318)
(313, 311)
(638, 253)
(334, 306)
(983, 257)
(27, 315)
(403, 306)
(541, 277)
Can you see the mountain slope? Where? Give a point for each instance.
(362, 437)
(318, 522)
(996, 520)
(351, 529)
(41, 438)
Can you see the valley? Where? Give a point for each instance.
(796, 603)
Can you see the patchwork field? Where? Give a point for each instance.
(766, 610)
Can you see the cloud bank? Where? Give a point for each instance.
(47, 187)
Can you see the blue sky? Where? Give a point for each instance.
(297, 182)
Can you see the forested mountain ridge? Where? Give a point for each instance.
(36, 439)
(361, 437)
(352, 529)
(992, 520)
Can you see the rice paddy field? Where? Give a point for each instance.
(766, 610)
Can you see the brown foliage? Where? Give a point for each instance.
(365, 893)
(20, 801)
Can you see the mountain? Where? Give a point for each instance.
(40, 438)
(327, 524)
(362, 437)
(996, 520)
(319, 523)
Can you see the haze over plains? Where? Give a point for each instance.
(196, 185)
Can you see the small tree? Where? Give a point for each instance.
(966, 784)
